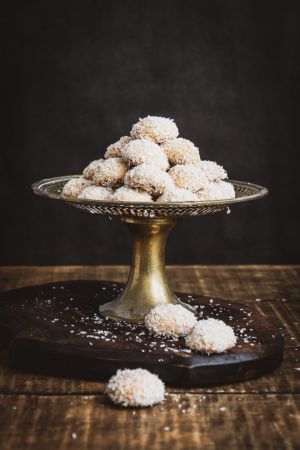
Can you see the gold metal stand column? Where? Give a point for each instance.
(147, 285)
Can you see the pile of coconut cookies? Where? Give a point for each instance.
(153, 164)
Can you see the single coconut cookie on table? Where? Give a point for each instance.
(115, 150)
(157, 129)
(136, 387)
(218, 190)
(125, 194)
(211, 336)
(140, 151)
(213, 171)
(75, 186)
(177, 195)
(110, 172)
(149, 179)
(96, 193)
(170, 320)
(188, 177)
(181, 151)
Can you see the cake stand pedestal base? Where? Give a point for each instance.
(57, 329)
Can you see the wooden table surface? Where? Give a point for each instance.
(41, 413)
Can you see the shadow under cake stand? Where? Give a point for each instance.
(73, 338)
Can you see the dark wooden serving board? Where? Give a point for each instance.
(56, 329)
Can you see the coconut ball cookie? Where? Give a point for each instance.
(157, 129)
(75, 186)
(211, 336)
(181, 151)
(170, 320)
(218, 190)
(188, 177)
(96, 193)
(125, 194)
(110, 172)
(213, 171)
(91, 169)
(177, 195)
(115, 150)
(140, 151)
(149, 179)
(137, 387)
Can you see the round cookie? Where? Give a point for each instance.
(213, 171)
(125, 194)
(115, 150)
(143, 151)
(149, 179)
(211, 336)
(188, 177)
(177, 195)
(217, 190)
(157, 129)
(75, 186)
(181, 151)
(136, 387)
(170, 320)
(96, 193)
(110, 172)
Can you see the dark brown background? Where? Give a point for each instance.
(76, 76)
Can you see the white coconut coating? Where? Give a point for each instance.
(96, 193)
(140, 151)
(149, 179)
(157, 129)
(91, 169)
(125, 194)
(211, 336)
(75, 186)
(213, 171)
(110, 172)
(181, 151)
(115, 150)
(137, 387)
(177, 195)
(170, 320)
(188, 177)
(218, 190)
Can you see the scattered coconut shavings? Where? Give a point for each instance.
(170, 320)
(137, 387)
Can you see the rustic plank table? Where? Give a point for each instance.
(40, 412)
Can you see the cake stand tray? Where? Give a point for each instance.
(57, 329)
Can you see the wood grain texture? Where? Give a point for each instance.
(55, 328)
(190, 422)
(42, 412)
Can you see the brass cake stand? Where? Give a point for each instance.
(149, 224)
